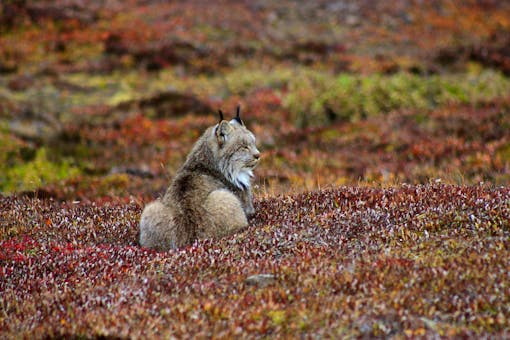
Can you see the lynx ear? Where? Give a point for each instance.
(238, 115)
(223, 131)
(221, 115)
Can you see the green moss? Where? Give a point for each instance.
(10, 148)
(36, 173)
(312, 96)
(504, 153)
(113, 182)
(317, 98)
(278, 317)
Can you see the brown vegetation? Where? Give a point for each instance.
(382, 195)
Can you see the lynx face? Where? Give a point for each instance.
(237, 152)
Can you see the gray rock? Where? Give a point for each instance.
(261, 280)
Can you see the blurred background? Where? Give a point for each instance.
(104, 99)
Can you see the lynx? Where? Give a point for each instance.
(210, 195)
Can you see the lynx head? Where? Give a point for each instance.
(236, 152)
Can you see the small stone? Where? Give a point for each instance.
(20, 83)
(261, 280)
(352, 20)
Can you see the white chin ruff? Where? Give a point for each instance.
(241, 178)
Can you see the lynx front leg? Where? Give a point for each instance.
(248, 203)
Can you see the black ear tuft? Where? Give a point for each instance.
(238, 115)
(221, 115)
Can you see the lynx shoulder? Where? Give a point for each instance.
(210, 195)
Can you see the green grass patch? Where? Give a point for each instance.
(317, 98)
(313, 97)
(35, 173)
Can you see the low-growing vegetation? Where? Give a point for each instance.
(382, 196)
(319, 99)
(36, 173)
(412, 261)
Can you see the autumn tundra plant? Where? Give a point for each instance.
(210, 196)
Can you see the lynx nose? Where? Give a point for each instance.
(256, 155)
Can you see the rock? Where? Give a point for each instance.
(353, 20)
(35, 126)
(20, 83)
(142, 171)
(167, 104)
(261, 280)
(8, 67)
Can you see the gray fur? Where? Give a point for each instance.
(210, 196)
